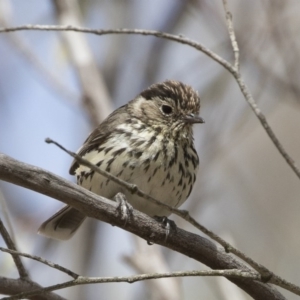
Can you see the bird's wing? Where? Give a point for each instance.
(101, 133)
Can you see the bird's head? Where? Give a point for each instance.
(171, 105)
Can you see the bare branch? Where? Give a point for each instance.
(176, 38)
(135, 278)
(248, 96)
(10, 244)
(98, 207)
(232, 37)
(42, 260)
(10, 286)
(180, 39)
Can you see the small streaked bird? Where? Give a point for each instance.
(147, 142)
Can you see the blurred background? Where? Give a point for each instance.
(61, 85)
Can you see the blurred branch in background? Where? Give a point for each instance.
(287, 53)
(10, 244)
(155, 55)
(147, 259)
(95, 97)
(20, 45)
(6, 216)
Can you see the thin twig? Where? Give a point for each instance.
(41, 260)
(269, 276)
(180, 39)
(176, 38)
(232, 36)
(10, 244)
(234, 273)
(266, 274)
(249, 98)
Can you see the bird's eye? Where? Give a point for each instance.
(166, 109)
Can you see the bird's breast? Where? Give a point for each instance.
(160, 166)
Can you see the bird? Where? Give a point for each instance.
(147, 142)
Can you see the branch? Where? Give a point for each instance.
(232, 37)
(175, 38)
(182, 40)
(265, 273)
(249, 98)
(100, 208)
(9, 286)
(41, 260)
(10, 244)
(273, 278)
(135, 278)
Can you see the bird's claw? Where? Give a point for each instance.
(125, 209)
(167, 223)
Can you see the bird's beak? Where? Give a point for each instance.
(192, 119)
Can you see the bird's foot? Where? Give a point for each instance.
(167, 224)
(125, 209)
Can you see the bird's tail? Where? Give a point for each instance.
(63, 224)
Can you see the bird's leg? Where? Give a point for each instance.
(125, 209)
(167, 223)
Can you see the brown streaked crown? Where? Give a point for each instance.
(184, 96)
